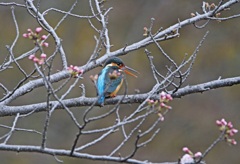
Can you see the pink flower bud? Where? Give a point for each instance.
(71, 66)
(43, 56)
(169, 97)
(148, 100)
(40, 62)
(152, 102)
(91, 77)
(35, 60)
(45, 44)
(76, 75)
(185, 149)
(223, 122)
(219, 123)
(234, 130)
(186, 159)
(162, 118)
(162, 105)
(163, 95)
(25, 35)
(75, 68)
(145, 28)
(230, 125)
(198, 154)
(31, 57)
(230, 133)
(29, 30)
(38, 30)
(234, 142)
(96, 77)
(80, 71)
(43, 37)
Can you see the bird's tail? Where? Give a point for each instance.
(101, 99)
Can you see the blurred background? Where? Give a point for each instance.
(191, 123)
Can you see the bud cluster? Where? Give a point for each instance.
(146, 31)
(190, 157)
(229, 130)
(114, 75)
(209, 7)
(74, 70)
(36, 60)
(94, 78)
(36, 37)
(161, 104)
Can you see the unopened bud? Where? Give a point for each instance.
(38, 30)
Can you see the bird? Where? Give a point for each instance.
(116, 65)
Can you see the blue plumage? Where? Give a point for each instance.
(104, 80)
(112, 64)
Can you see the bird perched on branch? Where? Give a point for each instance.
(111, 75)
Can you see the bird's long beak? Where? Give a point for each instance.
(131, 70)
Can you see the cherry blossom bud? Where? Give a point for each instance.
(230, 125)
(187, 159)
(223, 122)
(233, 142)
(218, 14)
(35, 60)
(43, 56)
(40, 62)
(207, 4)
(38, 30)
(45, 44)
(76, 75)
(162, 118)
(71, 66)
(80, 71)
(145, 28)
(152, 102)
(212, 5)
(31, 57)
(25, 35)
(234, 130)
(43, 37)
(163, 95)
(230, 133)
(185, 149)
(75, 68)
(162, 104)
(29, 30)
(192, 14)
(198, 154)
(96, 77)
(169, 97)
(219, 123)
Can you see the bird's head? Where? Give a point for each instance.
(117, 62)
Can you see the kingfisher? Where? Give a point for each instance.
(112, 64)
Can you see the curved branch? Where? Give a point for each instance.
(138, 98)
